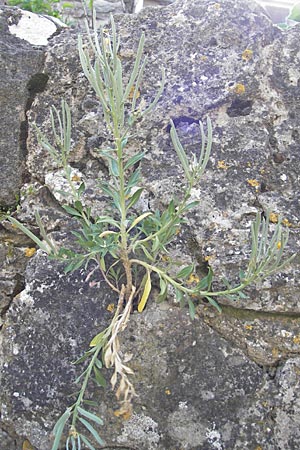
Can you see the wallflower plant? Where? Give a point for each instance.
(126, 247)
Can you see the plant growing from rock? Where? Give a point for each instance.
(127, 247)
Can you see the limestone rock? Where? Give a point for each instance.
(21, 78)
(189, 393)
(228, 63)
(197, 390)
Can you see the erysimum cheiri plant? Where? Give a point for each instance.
(126, 247)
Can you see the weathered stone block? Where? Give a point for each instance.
(21, 78)
(197, 390)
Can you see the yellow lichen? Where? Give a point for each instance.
(193, 278)
(247, 54)
(253, 183)
(239, 88)
(131, 93)
(286, 223)
(273, 217)
(296, 339)
(222, 165)
(249, 327)
(76, 178)
(167, 392)
(29, 251)
(27, 445)
(125, 412)
(279, 245)
(110, 307)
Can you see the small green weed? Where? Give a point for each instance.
(127, 247)
(49, 7)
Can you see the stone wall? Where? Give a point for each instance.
(226, 381)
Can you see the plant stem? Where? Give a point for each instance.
(186, 290)
(123, 225)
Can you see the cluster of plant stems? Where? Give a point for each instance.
(126, 246)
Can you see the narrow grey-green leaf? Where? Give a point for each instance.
(192, 310)
(90, 415)
(214, 303)
(59, 427)
(99, 377)
(87, 442)
(71, 210)
(28, 233)
(133, 160)
(92, 430)
(185, 272)
(135, 197)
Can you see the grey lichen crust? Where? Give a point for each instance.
(197, 390)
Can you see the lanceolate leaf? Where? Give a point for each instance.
(92, 430)
(135, 197)
(191, 309)
(71, 210)
(87, 442)
(146, 293)
(29, 234)
(59, 427)
(90, 415)
(133, 160)
(139, 219)
(97, 339)
(214, 303)
(99, 377)
(185, 272)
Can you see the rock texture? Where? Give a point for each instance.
(197, 390)
(75, 17)
(21, 78)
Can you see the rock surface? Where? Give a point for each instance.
(189, 394)
(197, 390)
(21, 78)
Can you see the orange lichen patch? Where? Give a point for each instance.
(239, 88)
(110, 307)
(248, 327)
(125, 412)
(131, 93)
(76, 178)
(286, 223)
(27, 445)
(273, 217)
(167, 392)
(222, 165)
(296, 339)
(29, 251)
(253, 183)
(193, 278)
(247, 54)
